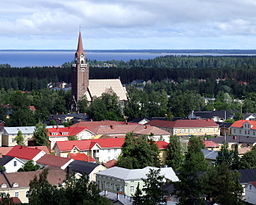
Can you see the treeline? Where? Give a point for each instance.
(177, 68)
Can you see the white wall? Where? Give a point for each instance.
(250, 194)
(10, 166)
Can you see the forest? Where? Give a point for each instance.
(171, 86)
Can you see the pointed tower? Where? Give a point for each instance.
(80, 72)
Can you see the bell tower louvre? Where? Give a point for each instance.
(80, 72)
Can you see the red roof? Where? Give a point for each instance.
(88, 144)
(162, 145)
(80, 49)
(81, 156)
(32, 108)
(240, 123)
(64, 131)
(24, 152)
(210, 144)
(110, 163)
(183, 123)
(53, 160)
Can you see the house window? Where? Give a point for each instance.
(27, 193)
(13, 139)
(240, 132)
(15, 163)
(131, 189)
(16, 194)
(234, 131)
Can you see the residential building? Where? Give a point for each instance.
(5, 150)
(120, 129)
(80, 167)
(244, 128)
(101, 150)
(11, 164)
(210, 155)
(250, 193)
(83, 86)
(9, 134)
(162, 146)
(17, 184)
(63, 133)
(250, 116)
(81, 156)
(26, 153)
(244, 144)
(188, 127)
(210, 145)
(247, 180)
(54, 161)
(216, 115)
(125, 181)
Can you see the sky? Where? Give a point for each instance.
(128, 24)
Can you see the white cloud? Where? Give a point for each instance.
(127, 19)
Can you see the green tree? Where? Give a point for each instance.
(138, 152)
(225, 156)
(82, 105)
(223, 185)
(73, 191)
(5, 199)
(19, 138)
(248, 160)
(41, 192)
(174, 156)
(190, 189)
(153, 188)
(29, 166)
(138, 199)
(40, 135)
(105, 107)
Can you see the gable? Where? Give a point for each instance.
(98, 87)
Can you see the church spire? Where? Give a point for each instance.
(80, 49)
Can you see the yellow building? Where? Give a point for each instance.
(188, 127)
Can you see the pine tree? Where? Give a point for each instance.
(40, 135)
(153, 188)
(138, 198)
(190, 189)
(174, 153)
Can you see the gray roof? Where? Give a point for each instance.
(82, 167)
(5, 159)
(237, 139)
(210, 154)
(24, 129)
(133, 174)
(210, 114)
(247, 175)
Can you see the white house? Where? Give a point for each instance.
(101, 150)
(11, 164)
(250, 193)
(244, 128)
(125, 181)
(63, 133)
(9, 134)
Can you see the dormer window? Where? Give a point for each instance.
(3, 186)
(54, 133)
(64, 133)
(15, 185)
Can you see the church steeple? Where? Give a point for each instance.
(80, 49)
(80, 72)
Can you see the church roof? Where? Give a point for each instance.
(80, 49)
(99, 86)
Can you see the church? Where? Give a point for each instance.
(92, 88)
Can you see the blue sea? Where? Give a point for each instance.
(30, 58)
